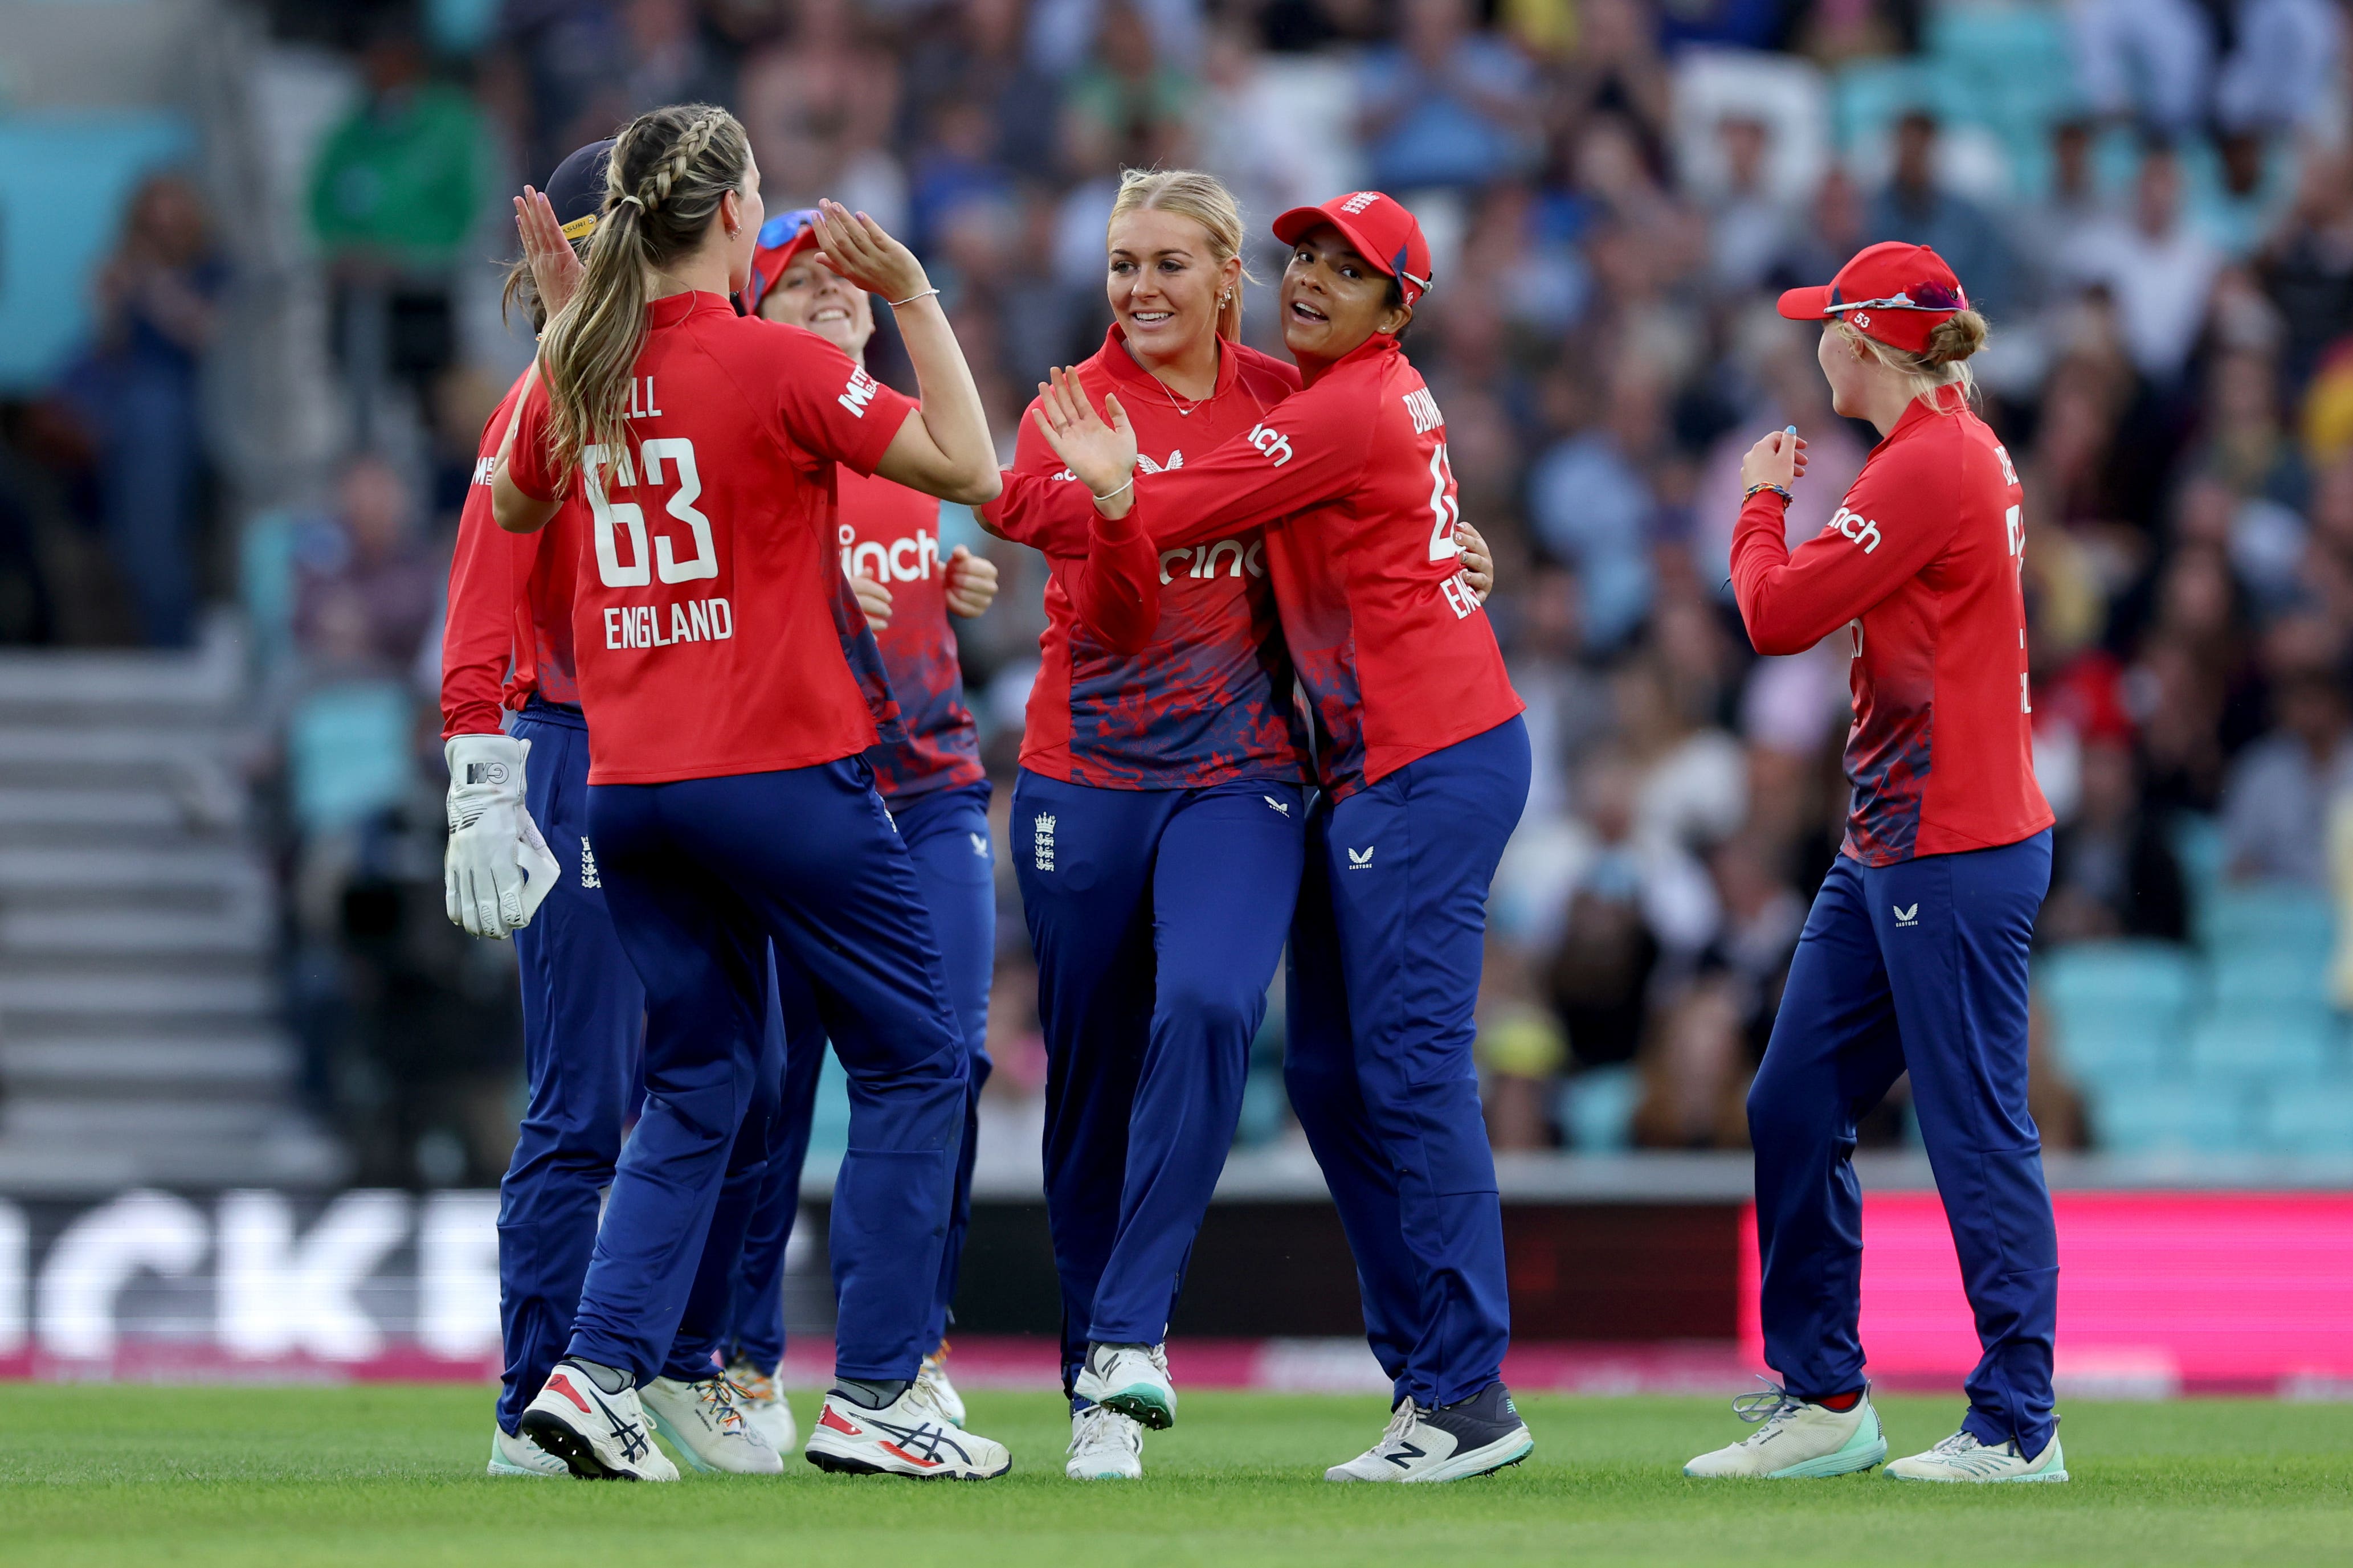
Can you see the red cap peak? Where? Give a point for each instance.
(1896, 292)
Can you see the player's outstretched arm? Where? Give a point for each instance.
(943, 448)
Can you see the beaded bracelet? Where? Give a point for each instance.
(1781, 491)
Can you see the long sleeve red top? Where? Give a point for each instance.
(1921, 565)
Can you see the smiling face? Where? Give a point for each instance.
(1332, 299)
(1163, 281)
(812, 296)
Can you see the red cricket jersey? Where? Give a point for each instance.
(1351, 478)
(1921, 565)
(1214, 701)
(507, 633)
(891, 534)
(714, 630)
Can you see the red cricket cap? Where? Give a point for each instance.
(1896, 292)
(782, 237)
(1383, 232)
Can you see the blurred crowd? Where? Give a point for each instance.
(2151, 200)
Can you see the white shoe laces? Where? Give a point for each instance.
(1099, 1426)
(1401, 1421)
(1771, 1404)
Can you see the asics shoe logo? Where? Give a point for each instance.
(562, 1384)
(922, 1445)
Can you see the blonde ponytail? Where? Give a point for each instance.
(1944, 362)
(669, 170)
(1190, 193)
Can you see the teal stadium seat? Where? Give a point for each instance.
(350, 755)
(2011, 70)
(2161, 1118)
(2117, 1008)
(2312, 1119)
(2281, 920)
(2271, 1044)
(2261, 981)
(1597, 1109)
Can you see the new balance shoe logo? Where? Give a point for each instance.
(1904, 917)
(1282, 806)
(588, 865)
(1404, 1455)
(1361, 859)
(1041, 841)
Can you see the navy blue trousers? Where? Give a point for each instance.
(700, 876)
(1157, 917)
(1917, 966)
(947, 838)
(1384, 961)
(584, 1016)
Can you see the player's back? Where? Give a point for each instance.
(707, 639)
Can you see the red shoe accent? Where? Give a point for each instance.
(830, 1419)
(559, 1384)
(911, 1459)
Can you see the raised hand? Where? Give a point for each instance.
(857, 248)
(1478, 561)
(555, 266)
(1779, 458)
(1101, 455)
(971, 583)
(873, 601)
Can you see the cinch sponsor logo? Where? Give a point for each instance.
(1207, 558)
(858, 394)
(1274, 443)
(910, 559)
(1853, 525)
(644, 625)
(1424, 409)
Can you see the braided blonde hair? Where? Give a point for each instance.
(1942, 364)
(669, 171)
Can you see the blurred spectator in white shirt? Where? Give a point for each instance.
(2283, 59)
(2158, 268)
(1747, 223)
(2276, 800)
(2147, 60)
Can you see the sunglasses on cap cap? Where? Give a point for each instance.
(1896, 292)
(780, 239)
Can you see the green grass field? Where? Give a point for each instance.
(394, 1475)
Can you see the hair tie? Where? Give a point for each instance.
(631, 200)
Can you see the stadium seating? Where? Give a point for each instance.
(2161, 1118)
(1597, 1109)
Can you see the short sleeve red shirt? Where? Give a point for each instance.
(703, 614)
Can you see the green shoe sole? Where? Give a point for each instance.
(1142, 1403)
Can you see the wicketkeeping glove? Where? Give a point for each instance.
(497, 871)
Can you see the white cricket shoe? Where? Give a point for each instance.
(761, 1397)
(598, 1435)
(905, 1438)
(521, 1457)
(1797, 1440)
(1132, 1380)
(1962, 1457)
(932, 1379)
(1474, 1436)
(1105, 1445)
(706, 1425)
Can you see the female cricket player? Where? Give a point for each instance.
(1423, 759)
(1914, 958)
(728, 800)
(507, 655)
(933, 782)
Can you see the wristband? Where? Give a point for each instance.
(1781, 491)
(911, 298)
(1108, 495)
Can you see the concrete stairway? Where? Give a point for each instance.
(139, 1037)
